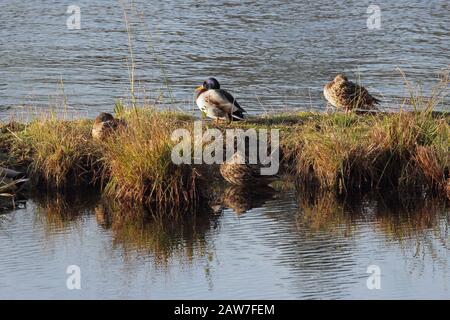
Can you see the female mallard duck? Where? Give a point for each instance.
(217, 103)
(105, 124)
(236, 171)
(347, 95)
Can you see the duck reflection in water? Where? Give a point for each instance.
(244, 198)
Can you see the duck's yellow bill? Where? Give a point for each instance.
(199, 88)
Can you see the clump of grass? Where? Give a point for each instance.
(139, 167)
(323, 152)
(12, 155)
(406, 151)
(62, 153)
(412, 152)
(349, 153)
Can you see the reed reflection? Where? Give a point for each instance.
(58, 210)
(396, 217)
(133, 230)
(418, 227)
(182, 236)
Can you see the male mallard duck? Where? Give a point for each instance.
(238, 172)
(217, 103)
(345, 94)
(105, 124)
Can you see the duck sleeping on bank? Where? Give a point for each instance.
(344, 94)
(105, 124)
(238, 172)
(217, 103)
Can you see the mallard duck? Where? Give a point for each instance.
(217, 103)
(347, 95)
(105, 124)
(238, 172)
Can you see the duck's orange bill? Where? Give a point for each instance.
(199, 88)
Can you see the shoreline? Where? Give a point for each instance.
(344, 154)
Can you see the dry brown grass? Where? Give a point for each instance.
(404, 152)
(62, 153)
(348, 153)
(139, 167)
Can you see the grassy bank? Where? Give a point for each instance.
(137, 163)
(132, 166)
(406, 152)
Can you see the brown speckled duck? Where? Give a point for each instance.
(344, 94)
(105, 124)
(217, 103)
(238, 172)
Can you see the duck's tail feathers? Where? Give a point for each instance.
(376, 101)
(238, 115)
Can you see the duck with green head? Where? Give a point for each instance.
(217, 103)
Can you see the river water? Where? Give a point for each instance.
(279, 247)
(272, 55)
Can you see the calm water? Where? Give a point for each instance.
(281, 247)
(270, 54)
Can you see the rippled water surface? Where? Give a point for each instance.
(279, 247)
(270, 54)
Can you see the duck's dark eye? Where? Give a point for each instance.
(205, 85)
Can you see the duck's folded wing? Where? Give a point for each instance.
(360, 94)
(229, 97)
(223, 99)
